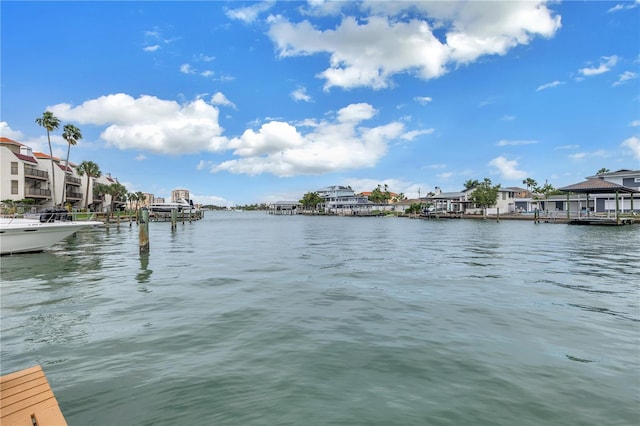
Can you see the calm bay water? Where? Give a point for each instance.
(250, 319)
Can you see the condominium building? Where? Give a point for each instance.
(25, 174)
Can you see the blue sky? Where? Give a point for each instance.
(249, 102)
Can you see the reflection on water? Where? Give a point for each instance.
(144, 275)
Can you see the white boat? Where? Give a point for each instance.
(19, 235)
(180, 205)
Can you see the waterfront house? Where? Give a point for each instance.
(338, 199)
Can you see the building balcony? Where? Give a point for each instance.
(37, 193)
(73, 181)
(75, 196)
(32, 173)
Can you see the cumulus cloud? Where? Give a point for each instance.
(152, 48)
(635, 123)
(150, 124)
(220, 99)
(330, 145)
(605, 65)
(508, 168)
(633, 144)
(7, 132)
(369, 52)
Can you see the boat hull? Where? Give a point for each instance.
(25, 236)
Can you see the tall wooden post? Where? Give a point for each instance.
(174, 219)
(617, 209)
(144, 231)
(568, 207)
(498, 214)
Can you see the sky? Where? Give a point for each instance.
(257, 102)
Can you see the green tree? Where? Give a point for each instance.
(531, 183)
(471, 183)
(118, 192)
(92, 170)
(485, 194)
(379, 196)
(311, 200)
(602, 171)
(414, 208)
(50, 122)
(72, 135)
(543, 193)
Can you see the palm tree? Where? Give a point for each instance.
(531, 183)
(100, 189)
(471, 183)
(92, 170)
(51, 123)
(117, 191)
(72, 135)
(602, 171)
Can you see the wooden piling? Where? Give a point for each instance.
(174, 219)
(144, 231)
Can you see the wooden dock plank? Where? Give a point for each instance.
(27, 399)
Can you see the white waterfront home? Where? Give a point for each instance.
(343, 200)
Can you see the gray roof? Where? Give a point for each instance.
(598, 186)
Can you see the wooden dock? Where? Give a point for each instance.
(27, 400)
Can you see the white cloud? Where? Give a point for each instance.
(624, 77)
(619, 7)
(220, 99)
(141, 157)
(567, 147)
(411, 135)
(152, 48)
(422, 99)
(635, 123)
(607, 63)
(149, 124)
(633, 145)
(508, 117)
(187, 69)
(505, 142)
(300, 94)
(369, 52)
(549, 85)
(250, 13)
(7, 132)
(578, 155)
(281, 149)
(507, 168)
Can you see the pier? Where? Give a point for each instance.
(27, 399)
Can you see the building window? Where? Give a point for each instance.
(14, 168)
(14, 187)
